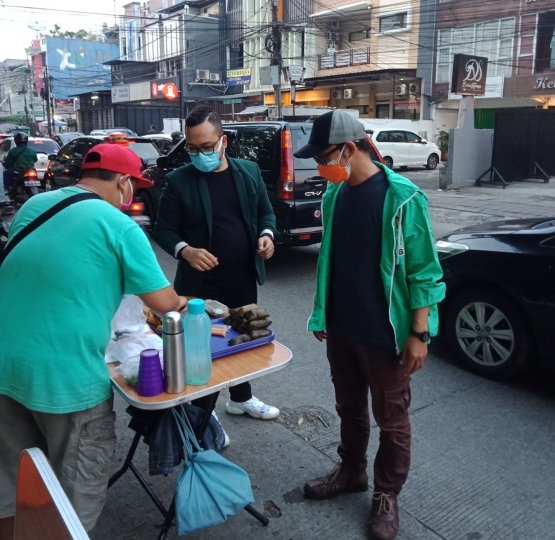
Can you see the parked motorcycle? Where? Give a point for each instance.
(26, 185)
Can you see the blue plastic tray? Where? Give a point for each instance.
(219, 345)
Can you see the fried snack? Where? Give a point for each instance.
(243, 310)
(256, 314)
(257, 334)
(152, 319)
(260, 324)
(243, 338)
(228, 320)
(219, 330)
(236, 321)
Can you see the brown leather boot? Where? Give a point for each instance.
(384, 520)
(340, 480)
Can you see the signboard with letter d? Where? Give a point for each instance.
(469, 75)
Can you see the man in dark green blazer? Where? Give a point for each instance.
(216, 219)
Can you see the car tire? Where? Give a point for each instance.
(432, 162)
(388, 162)
(506, 352)
(404, 167)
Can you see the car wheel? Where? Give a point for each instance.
(433, 160)
(388, 162)
(488, 333)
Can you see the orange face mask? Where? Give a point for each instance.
(334, 172)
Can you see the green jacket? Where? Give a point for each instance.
(20, 158)
(185, 215)
(410, 267)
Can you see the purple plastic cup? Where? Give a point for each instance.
(151, 379)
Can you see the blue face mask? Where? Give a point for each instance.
(208, 162)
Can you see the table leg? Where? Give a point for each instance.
(149, 491)
(255, 513)
(168, 521)
(127, 463)
(206, 418)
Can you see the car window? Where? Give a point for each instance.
(44, 147)
(397, 137)
(412, 137)
(68, 151)
(180, 157)
(258, 145)
(6, 145)
(144, 149)
(299, 136)
(383, 136)
(83, 146)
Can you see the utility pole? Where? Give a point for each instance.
(47, 96)
(24, 92)
(277, 20)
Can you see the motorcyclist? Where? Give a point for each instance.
(177, 136)
(19, 159)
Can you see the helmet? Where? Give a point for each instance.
(117, 138)
(177, 136)
(21, 138)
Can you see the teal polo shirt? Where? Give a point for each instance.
(59, 290)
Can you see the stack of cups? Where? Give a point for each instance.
(151, 380)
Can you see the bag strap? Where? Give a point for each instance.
(43, 218)
(186, 431)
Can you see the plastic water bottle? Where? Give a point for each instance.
(197, 331)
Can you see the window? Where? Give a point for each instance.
(492, 39)
(412, 137)
(398, 21)
(68, 151)
(145, 150)
(359, 35)
(383, 137)
(545, 43)
(258, 146)
(83, 146)
(43, 147)
(180, 156)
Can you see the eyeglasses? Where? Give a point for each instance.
(205, 149)
(322, 160)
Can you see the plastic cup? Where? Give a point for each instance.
(151, 379)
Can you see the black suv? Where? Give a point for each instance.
(294, 187)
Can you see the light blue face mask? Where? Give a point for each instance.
(208, 162)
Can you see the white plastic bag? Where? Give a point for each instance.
(129, 317)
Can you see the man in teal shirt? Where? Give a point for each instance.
(19, 159)
(61, 287)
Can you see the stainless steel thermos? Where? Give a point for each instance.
(175, 379)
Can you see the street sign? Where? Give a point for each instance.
(232, 101)
(293, 93)
(236, 77)
(469, 75)
(120, 93)
(295, 73)
(164, 89)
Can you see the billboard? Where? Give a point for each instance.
(236, 77)
(469, 75)
(164, 89)
(76, 66)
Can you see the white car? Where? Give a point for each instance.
(402, 148)
(42, 146)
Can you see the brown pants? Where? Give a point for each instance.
(354, 369)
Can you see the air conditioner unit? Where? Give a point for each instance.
(414, 89)
(215, 77)
(202, 75)
(401, 90)
(348, 93)
(337, 94)
(334, 26)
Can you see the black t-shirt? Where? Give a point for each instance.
(230, 240)
(357, 305)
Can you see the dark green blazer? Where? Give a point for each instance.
(185, 215)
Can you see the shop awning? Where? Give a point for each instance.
(254, 110)
(349, 9)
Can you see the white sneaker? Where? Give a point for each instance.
(227, 442)
(253, 407)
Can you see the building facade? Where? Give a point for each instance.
(517, 37)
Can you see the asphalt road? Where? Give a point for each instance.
(482, 463)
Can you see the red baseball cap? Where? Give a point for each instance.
(116, 158)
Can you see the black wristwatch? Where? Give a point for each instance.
(422, 336)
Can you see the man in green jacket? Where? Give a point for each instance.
(19, 159)
(216, 219)
(375, 304)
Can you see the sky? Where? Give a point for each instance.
(16, 15)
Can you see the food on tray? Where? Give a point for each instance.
(257, 334)
(152, 319)
(216, 309)
(256, 315)
(219, 330)
(260, 324)
(243, 310)
(243, 338)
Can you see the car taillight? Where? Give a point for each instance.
(137, 207)
(286, 189)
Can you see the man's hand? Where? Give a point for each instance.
(321, 336)
(414, 355)
(183, 304)
(199, 259)
(265, 247)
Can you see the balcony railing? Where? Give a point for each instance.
(346, 58)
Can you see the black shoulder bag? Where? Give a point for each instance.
(43, 218)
